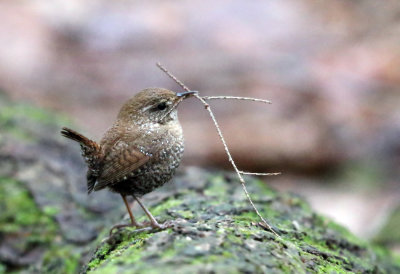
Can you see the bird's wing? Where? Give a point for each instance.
(121, 160)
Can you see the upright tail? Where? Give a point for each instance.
(91, 152)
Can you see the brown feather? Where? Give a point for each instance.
(119, 164)
(91, 152)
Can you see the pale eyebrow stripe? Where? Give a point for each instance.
(147, 108)
(153, 105)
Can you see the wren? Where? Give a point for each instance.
(140, 152)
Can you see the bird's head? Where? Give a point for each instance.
(153, 105)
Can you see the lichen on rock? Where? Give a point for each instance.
(216, 231)
(48, 224)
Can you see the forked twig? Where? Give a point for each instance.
(236, 98)
(238, 172)
(172, 76)
(260, 174)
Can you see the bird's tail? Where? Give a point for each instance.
(91, 152)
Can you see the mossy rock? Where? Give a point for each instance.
(217, 231)
(48, 224)
(390, 232)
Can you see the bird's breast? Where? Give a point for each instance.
(166, 146)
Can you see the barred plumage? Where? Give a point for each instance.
(141, 151)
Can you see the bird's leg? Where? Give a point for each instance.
(133, 220)
(153, 221)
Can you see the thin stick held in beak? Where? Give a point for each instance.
(237, 98)
(260, 174)
(171, 76)
(238, 172)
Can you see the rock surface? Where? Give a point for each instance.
(217, 231)
(47, 221)
(49, 225)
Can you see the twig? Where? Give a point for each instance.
(237, 98)
(238, 172)
(260, 174)
(172, 77)
(242, 181)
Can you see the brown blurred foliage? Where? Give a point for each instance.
(331, 68)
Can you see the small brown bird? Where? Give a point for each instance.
(140, 152)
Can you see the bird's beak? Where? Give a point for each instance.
(186, 94)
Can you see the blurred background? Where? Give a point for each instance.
(331, 69)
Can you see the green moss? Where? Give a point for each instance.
(31, 113)
(384, 254)
(129, 245)
(346, 234)
(245, 217)
(390, 233)
(227, 254)
(109, 268)
(261, 186)
(22, 220)
(208, 259)
(168, 253)
(21, 215)
(61, 259)
(13, 117)
(51, 210)
(220, 233)
(133, 251)
(234, 239)
(216, 186)
(101, 254)
(397, 260)
(187, 214)
(162, 208)
(16, 132)
(330, 268)
(248, 217)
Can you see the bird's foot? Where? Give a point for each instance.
(145, 226)
(158, 226)
(118, 227)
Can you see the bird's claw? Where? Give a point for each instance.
(118, 227)
(162, 226)
(144, 226)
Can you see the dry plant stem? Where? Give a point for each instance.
(172, 77)
(238, 172)
(237, 98)
(259, 174)
(242, 181)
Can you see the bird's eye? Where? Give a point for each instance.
(162, 106)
